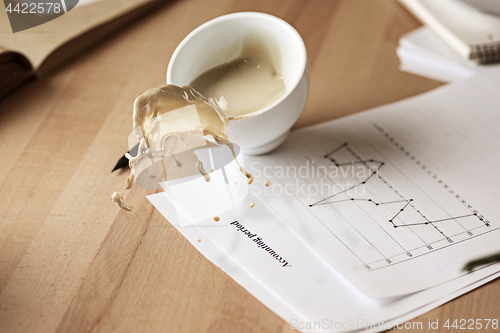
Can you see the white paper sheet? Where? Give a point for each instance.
(434, 148)
(309, 293)
(423, 53)
(413, 197)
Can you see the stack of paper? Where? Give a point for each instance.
(422, 52)
(369, 219)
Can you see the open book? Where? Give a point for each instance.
(39, 50)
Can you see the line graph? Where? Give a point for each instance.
(367, 197)
(374, 172)
(392, 211)
(368, 204)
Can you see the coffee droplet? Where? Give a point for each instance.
(216, 219)
(252, 204)
(235, 183)
(199, 240)
(267, 183)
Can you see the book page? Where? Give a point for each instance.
(39, 42)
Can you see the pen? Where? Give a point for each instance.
(481, 261)
(123, 161)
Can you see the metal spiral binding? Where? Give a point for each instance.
(488, 53)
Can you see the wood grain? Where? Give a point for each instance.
(70, 261)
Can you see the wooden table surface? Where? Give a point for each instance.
(71, 261)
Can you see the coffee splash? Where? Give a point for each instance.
(225, 93)
(166, 112)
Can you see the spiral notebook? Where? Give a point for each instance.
(473, 34)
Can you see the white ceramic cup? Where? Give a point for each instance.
(221, 40)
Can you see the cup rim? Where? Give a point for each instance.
(237, 15)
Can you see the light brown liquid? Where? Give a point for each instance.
(163, 112)
(224, 93)
(242, 86)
